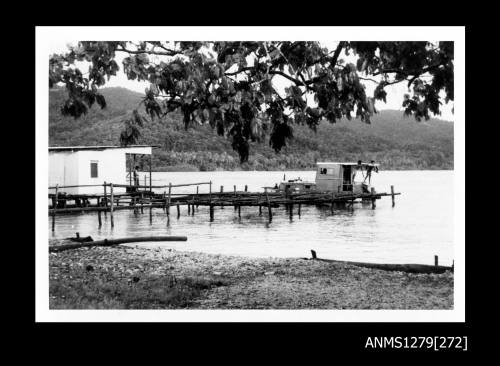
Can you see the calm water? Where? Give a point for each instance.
(417, 228)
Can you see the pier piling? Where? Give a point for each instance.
(111, 204)
(392, 195)
(54, 206)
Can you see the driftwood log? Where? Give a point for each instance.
(409, 268)
(111, 242)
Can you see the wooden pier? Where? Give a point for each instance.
(141, 197)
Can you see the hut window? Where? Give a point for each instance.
(308, 186)
(93, 169)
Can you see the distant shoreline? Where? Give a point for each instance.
(277, 170)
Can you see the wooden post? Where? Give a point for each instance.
(260, 210)
(142, 201)
(178, 211)
(129, 170)
(299, 209)
(210, 192)
(392, 195)
(313, 253)
(105, 200)
(221, 191)
(164, 201)
(197, 188)
(373, 199)
(99, 213)
(169, 198)
(239, 211)
(436, 260)
(111, 204)
(189, 209)
(211, 212)
(151, 212)
(54, 207)
(331, 206)
(246, 188)
(270, 212)
(150, 173)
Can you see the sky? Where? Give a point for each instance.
(394, 98)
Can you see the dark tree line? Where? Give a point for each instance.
(232, 85)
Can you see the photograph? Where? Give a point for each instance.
(272, 171)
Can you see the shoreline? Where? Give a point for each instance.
(134, 277)
(281, 170)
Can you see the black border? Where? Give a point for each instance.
(324, 336)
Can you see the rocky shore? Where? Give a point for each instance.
(134, 277)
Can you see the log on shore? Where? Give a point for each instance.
(409, 268)
(112, 242)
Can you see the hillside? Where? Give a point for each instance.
(392, 140)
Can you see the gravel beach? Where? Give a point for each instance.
(134, 277)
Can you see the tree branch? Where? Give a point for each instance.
(150, 52)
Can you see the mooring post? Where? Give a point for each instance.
(111, 204)
(373, 198)
(313, 253)
(299, 209)
(331, 206)
(211, 212)
(392, 195)
(239, 211)
(189, 209)
(54, 207)
(142, 202)
(178, 211)
(246, 188)
(436, 260)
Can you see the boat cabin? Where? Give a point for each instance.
(343, 177)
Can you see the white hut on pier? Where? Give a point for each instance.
(90, 166)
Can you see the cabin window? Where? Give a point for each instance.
(93, 169)
(322, 171)
(308, 186)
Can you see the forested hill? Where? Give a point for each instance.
(391, 139)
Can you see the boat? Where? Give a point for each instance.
(338, 177)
